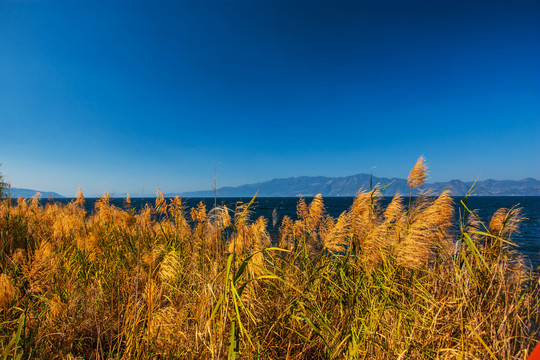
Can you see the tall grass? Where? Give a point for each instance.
(406, 281)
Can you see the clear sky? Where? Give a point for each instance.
(128, 96)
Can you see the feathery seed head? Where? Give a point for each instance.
(260, 235)
(362, 215)
(199, 214)
(80, 197)
(286, 233)
(163, 330)
(169, 268)
(176, 206)
(21, 204)
(161, 204)
(442, 209)
(220, 216)
(7, 291)
(496, 223)
(153, 256)
(301, 208)
(145, 216)
(35, 200)
(336, 239)
(315, 211)
(428, 232)
(418, 175)
(394, 210)
(362, 203)
(105, 198)
(299, 229)
(89, 245)
(56, 308)
(505, 221)
(103, 205)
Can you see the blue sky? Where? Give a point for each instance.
(128, 96)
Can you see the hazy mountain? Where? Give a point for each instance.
(339, 186)
(28, 193)
(349, 186)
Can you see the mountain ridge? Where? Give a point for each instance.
(339, 186)
(28, 193)
(349, 186)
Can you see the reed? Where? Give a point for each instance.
(405, 281)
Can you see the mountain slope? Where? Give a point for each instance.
(349, 186)
(28, 193)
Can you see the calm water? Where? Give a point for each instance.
(528, 239)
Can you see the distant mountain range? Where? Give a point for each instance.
(341, 186)
(349, 186)
(28, 193)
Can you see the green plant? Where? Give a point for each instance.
(4, 187)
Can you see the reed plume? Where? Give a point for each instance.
(153, 256)
(337, 238)
(302, 210)
(286, 233)
(35, 200)
(505, 221)
(394, 210)
(198, 214)
(428, 233)
(362, 216)
(442, 213)
(80, 197)
(170, 268)
(8, 293)
(220, 217)
(89, 245)
(161, 203)
(315, 212)
(43, 266)
(164, 331)
(501, 226)
(418, 175)
(261, 240)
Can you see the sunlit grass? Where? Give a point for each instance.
(406, 281)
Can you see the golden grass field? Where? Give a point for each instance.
(408, 281)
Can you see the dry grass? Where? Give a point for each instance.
(405, 281)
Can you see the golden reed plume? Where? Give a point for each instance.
(505, 221)
(286, 233)
(161, 203)
(80, 197)
(418, 175)
(7, 292)
(315, 212)
(337, 237)
(302, 209)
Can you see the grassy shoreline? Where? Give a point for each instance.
(374, 283)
